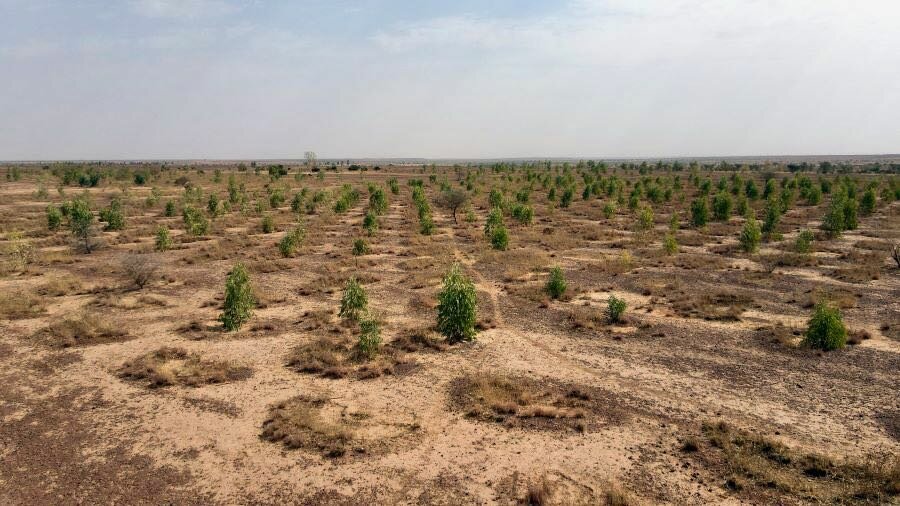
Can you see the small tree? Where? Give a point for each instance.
(645, 219)
(369, 337)
(867, 202)
(699, 212)
(609, 209)
(291, 241)
(722, 205)
(170, 209)
(81, 223)
(139, 268)
(826, 329)
(670, 244)
(354, 302)
(360, 247)
(494, 220)
(194, 221)
(457, 306)
(500, 238)
(615, 308)
(113, 215)
(454, 199)
(54, 218)
(750, 235)
(163, 238)
(803, 245)
(239, 299)
(268, 224)
(556, 284)
(370, 222)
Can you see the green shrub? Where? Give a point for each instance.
(163, 238)
(426, 224)
(750, 235)
(239, 300)
(645, 219)
(609, 209)
(803, 245)
(556, 284)
(170, 209)
(360, 247)
(826, 329)
(495, 198)
(195, 223)
(268, 224)
(771, 217)
(457, 306)
(566, 198)
(54, 217)
(291, 241)
(81, 222)
(212, 205)
(699, 212)
(500, 238)
(370, 222)
(615, 308)
(378, 201)
(722, 205)
(867, 202)
(394, 185)
(113, 215)
(369, 337)
(670, 244)
(523, 213)
(354, 302)
(494, 220)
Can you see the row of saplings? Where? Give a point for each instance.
(457, 310)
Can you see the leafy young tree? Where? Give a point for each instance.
(826, 330)
(670, 244)
(369, 337)
(163, 238)
(615, 308)
(699, 212)
(457, 306)
(867, 202)
(360, 247)
(268, 224)
(454, 199)
(291, 241)
(750, 235)
(722, 205)
(81, 223)
(370, 222)
(194, 221)
(239, 299)
(113, 215)
(54, 218)
(354, 302)
(803, 245)
(170, 209)
(556, 283)
(500, 238)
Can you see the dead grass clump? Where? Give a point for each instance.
(58, 286)
(339, 358)
(19, 305)
(419, 340)
(518, 401)
(718, 305)
(769, 471)
(175, 366)
(300, 422)
(840, 297)
(82, 330)
(587, 317)
(857, 273)
(787, 259)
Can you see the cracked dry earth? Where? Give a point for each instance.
(75, 431)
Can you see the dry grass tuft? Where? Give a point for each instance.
(299, 422)
(175, 366)
(338, 357)
(717, 305)
(18, 305)
(83, 330)
(515, 400)
(60, 285)
(768, 471)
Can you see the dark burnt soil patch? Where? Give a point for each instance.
(43, 456)
(527, 403)
(763, 470)
(314, 423)
(175, 366)
(338, 357)
(86, 329)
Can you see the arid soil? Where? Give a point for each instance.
(114, 394)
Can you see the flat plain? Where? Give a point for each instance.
(119, 384)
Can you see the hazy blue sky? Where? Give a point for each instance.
(261, 78)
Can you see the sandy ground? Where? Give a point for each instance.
(74, 432)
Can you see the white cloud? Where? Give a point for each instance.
(183, 8)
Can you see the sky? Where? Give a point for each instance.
(243, 79)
